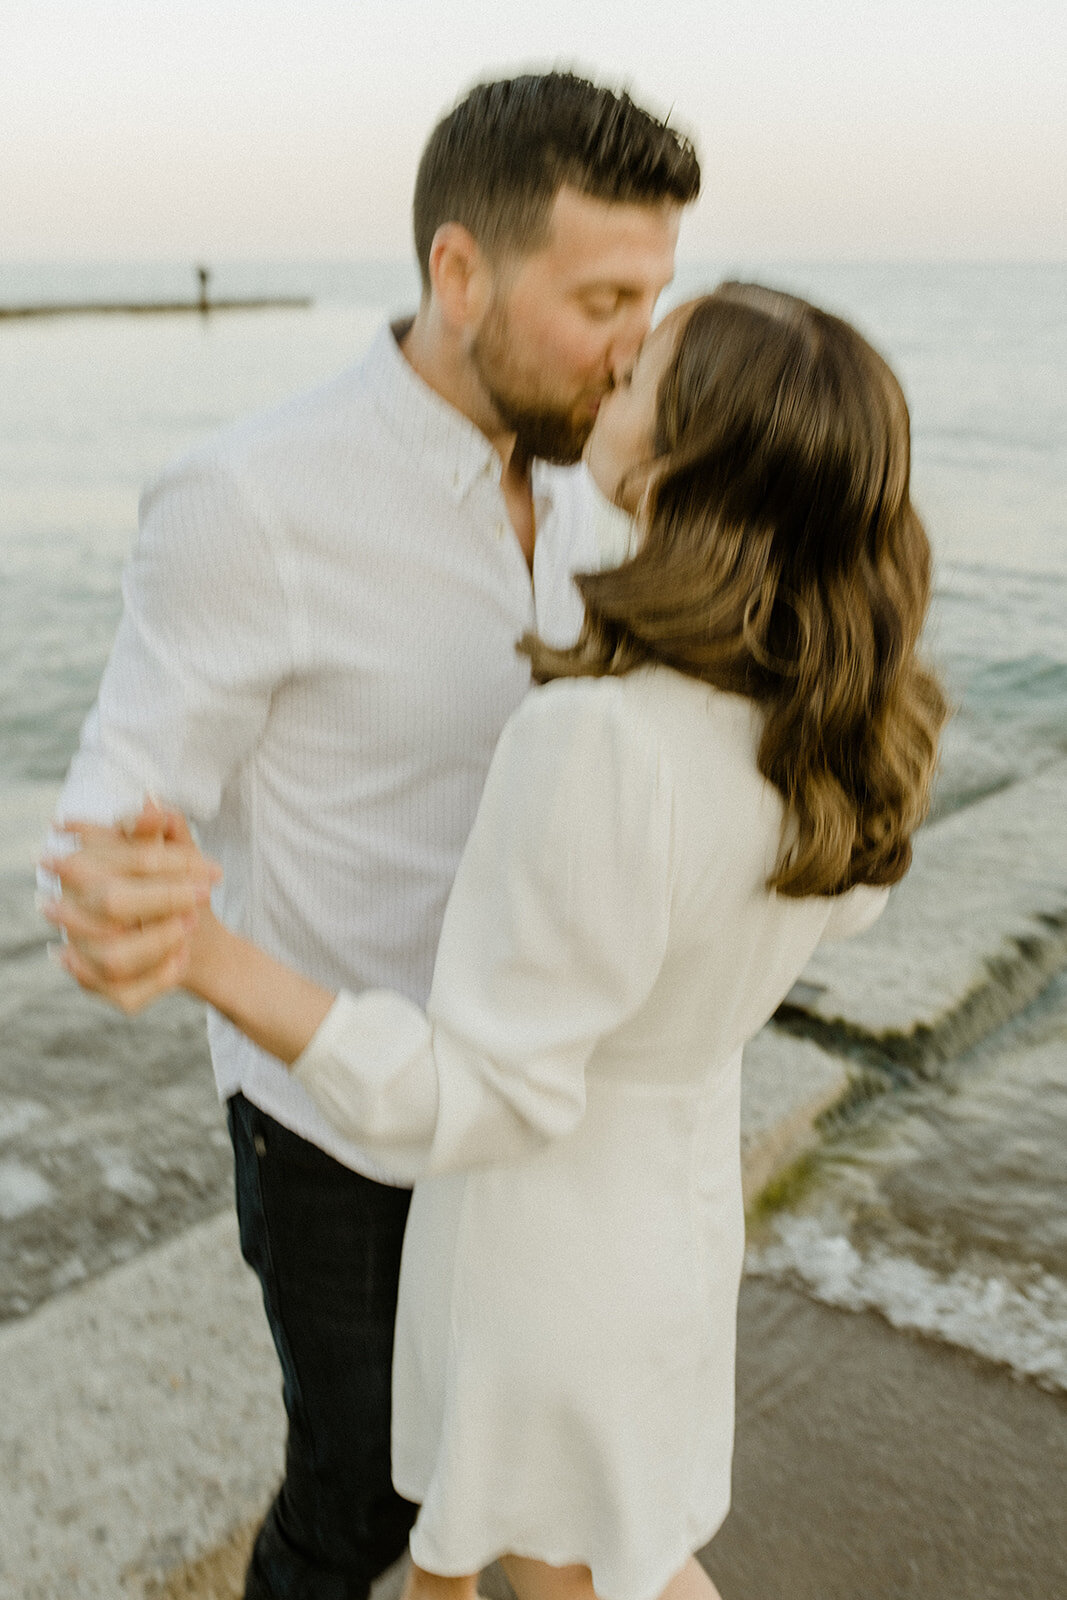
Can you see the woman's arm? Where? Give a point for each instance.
(279, 1009)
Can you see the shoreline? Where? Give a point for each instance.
(144, 1431)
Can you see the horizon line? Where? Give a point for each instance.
(684, 259)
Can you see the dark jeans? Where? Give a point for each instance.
(325, 1244)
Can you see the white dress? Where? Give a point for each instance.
(570, 1106)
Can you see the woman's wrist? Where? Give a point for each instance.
(211, 950)
(276, 1007)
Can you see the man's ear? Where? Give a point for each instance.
(460, 277)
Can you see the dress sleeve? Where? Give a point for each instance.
(555, 932)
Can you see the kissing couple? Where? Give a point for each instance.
(502, 854)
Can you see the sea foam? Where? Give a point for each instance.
(1020, 1322)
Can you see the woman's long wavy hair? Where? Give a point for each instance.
(782, 559)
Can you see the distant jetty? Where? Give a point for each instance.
(136, 308)
(203, 305)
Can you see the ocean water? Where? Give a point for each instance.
(943, 1206)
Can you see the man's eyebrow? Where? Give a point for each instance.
(628, 286)
(609, 286)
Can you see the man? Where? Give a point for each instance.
(315, 661)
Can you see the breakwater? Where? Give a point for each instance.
(154, 308)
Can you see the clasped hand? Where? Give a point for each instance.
(134, 905)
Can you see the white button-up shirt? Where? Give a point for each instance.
(315, 660)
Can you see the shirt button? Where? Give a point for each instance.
(501, 530)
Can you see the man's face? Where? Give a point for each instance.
(566, 322)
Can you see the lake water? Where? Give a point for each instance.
(944, 1206)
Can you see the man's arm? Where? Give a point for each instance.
(204, 639)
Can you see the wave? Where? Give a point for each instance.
(1011, 1316)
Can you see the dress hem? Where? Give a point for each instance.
(561, 1558)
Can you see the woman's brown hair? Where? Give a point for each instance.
(782, 559)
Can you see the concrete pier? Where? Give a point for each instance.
(137, 308)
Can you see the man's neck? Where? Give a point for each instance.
(441, 365)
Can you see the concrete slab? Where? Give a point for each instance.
(786, 1085)
(142, 1420)
(971, 936)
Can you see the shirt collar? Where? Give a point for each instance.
(446, 443)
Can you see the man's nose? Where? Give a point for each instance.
(629, 336)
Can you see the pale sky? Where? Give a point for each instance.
(286, 129)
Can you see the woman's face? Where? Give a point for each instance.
(620, 449)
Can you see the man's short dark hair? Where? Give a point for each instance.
(496, 162)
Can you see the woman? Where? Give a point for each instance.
(726, 769)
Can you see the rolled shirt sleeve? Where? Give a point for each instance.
(555, 933)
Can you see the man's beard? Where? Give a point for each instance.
(541, 430)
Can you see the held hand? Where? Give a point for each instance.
(134, 906)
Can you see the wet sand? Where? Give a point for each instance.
(870, 1465)
(874, 1465)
